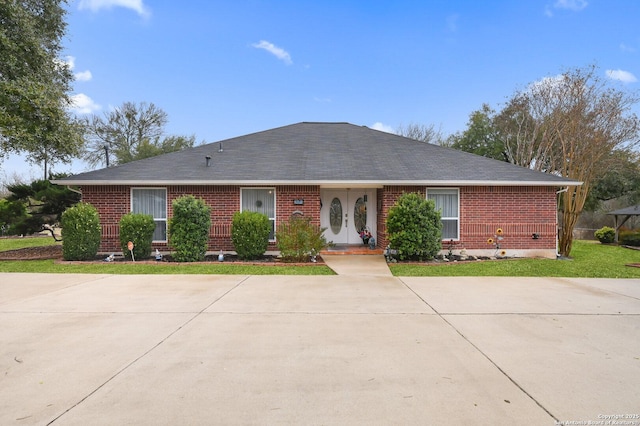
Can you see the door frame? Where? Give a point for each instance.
(348, 197)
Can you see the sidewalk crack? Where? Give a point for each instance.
(473, 345)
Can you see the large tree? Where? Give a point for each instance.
(481, 136)
(421, 132)
(35, 83)
(621, 181)
(570, 125)
(128, 133)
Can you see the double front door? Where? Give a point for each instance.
(345, 212)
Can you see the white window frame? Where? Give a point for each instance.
(155, 219)
(275, 205)
(457, 217)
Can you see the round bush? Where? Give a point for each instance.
(80, 232)
(414, 228)
(250, 234)
(137, 228)
(605, 235)
(189, 229)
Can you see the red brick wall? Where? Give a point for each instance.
(113, 202)
(518, 211)
(285, 207)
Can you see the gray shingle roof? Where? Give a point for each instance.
(329, 154)
(631, 211)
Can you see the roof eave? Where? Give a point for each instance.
(321, 183)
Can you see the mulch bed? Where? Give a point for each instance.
(55, 252)
(33, 253)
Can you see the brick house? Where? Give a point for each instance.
(342, 176)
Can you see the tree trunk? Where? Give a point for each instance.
(572, 204)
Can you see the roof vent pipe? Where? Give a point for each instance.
(208, 158)
(220, 147)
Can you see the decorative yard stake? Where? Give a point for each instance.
(495, 241)
(130, 247)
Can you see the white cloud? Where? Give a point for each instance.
(71, 62)
(575, 5)
(278, 52)
(620, 75)
(83, 76)
(135, 5)
(547, 84)
(382, 127)
(83, 104)
(627, 48)
(80, 76)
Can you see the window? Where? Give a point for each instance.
(447, 201)
(152, 201)
(261, 200)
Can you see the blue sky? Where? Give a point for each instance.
(227, 68)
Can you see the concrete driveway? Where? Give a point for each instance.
(346, 349)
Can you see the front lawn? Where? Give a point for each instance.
(14, 243)
(590, 259)
(52, 266)
(130, 268)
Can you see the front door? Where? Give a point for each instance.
(345, 212)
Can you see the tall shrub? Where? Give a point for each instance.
(80, 232)
(297, 239)
(189, 229)
(250, 234)
(414, 228)
(137, 228)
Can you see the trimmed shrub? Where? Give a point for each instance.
(12, 213)
(414, 228)
(298, 239)
(605, 235)
(629, 238)
(137, 228)
(80, 232)
(189, 229)
(250, 234)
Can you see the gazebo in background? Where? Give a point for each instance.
(622, 215)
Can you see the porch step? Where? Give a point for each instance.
(351, 249)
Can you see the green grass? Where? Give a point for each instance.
(18, 243)
(590, 259)
(51, 266)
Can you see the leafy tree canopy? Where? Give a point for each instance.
(30, 206)
(571, 125)
(130, 132)
(35, 83)
(481, 136)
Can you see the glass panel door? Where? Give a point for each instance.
(345, 213)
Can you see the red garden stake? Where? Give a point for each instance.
(130, 247)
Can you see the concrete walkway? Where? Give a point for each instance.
(345, 349)
(357, 265)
